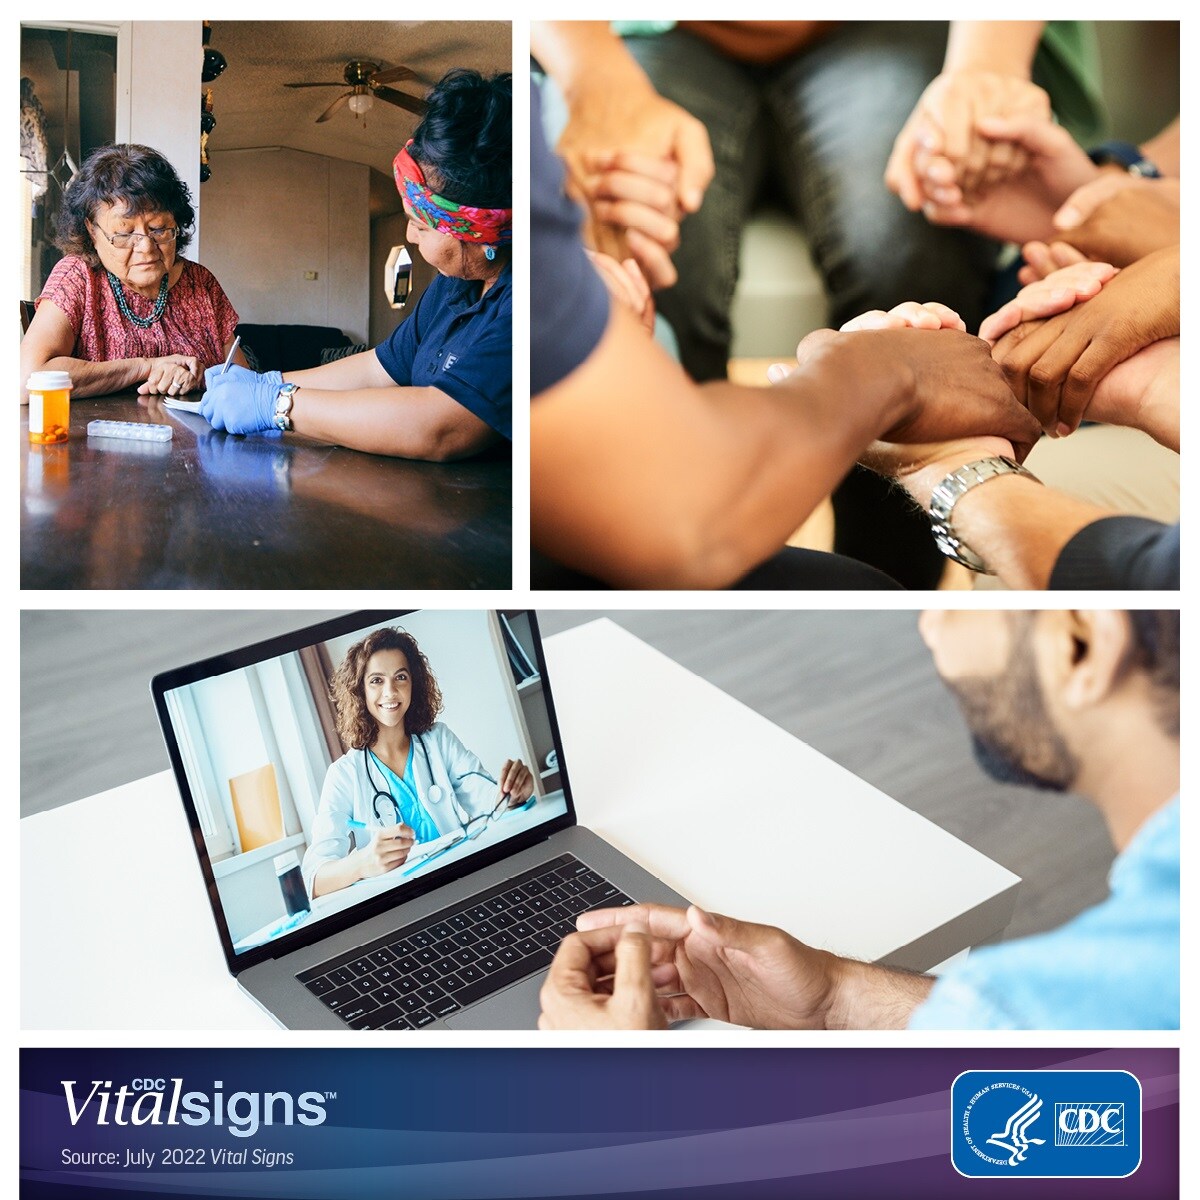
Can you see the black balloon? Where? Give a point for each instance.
(205, 172)
(207, 122)
(214, 64)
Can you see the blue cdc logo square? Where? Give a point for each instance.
(1046, 1124)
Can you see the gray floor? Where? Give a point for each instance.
(858, 686)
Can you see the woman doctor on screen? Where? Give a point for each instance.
(406, 778)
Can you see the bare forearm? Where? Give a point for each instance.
(645, 480)
(402, 422)
(335, 875)
(582, 54)
(1019, 528)
(95, 378)
(1163, 150)
(870, 997)
(1006, 47)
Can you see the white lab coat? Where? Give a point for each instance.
(468, 789)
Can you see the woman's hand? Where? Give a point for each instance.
(908, 315)
(387, 850)
(944, 124)
(517, 780)
(1055, 293)
(172, 375)
(1020, 207)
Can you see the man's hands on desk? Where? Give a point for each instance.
(647, 965)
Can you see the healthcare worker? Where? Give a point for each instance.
(406, 778)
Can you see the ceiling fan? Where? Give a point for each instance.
(367, 83)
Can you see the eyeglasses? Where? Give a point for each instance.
(125, 241)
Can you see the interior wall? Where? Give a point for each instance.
(387, 232)
(272, 217)
(158, 96)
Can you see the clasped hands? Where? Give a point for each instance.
(982, 151)
(647, 965)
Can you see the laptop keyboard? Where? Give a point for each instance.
(413, 976)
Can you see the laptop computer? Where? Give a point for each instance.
(325, 922)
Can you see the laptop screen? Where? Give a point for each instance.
(332, 772)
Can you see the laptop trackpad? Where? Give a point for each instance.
(516, 1007)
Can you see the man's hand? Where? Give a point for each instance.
(919, 469)
(239, 401)
(702, 965)
(601, 980)
(1053, 366)
(1121, 218)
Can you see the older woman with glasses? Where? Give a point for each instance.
(441, 386)
(123, 308)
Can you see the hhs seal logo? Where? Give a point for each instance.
(1046, 1124)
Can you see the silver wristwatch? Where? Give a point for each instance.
(948, 493)
(283, 406)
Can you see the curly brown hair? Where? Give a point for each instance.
(136, 177)
(356, 727)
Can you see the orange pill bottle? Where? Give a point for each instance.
(49, 406)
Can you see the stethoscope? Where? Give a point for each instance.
(433, 795)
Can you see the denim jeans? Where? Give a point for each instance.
(814, 132)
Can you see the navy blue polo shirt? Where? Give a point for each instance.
(571, 313)
(460, 343)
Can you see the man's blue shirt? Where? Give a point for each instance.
(461, 343)
(1115, 966)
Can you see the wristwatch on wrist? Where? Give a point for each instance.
(283, 406)
(1126, 156)
(952, 489)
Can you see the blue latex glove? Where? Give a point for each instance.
(239, 401)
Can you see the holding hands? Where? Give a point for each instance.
(944, 128)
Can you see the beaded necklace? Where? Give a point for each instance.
(141, 322)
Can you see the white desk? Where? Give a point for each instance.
(724, 806)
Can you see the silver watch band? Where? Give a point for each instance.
(948, 493)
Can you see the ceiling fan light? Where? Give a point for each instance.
(361, 103)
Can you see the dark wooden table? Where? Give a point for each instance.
(210, 510)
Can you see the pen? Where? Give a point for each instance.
(237, 341)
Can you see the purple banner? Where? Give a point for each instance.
(366, 1122)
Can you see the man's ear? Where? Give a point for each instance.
(1091, 656)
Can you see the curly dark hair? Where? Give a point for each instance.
(138, 178)
(464, 141)
(356, 727)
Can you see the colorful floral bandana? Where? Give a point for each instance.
(486, 226)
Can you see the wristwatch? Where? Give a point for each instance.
(283, 406)
(1125, 155)
(952, 489)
